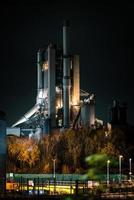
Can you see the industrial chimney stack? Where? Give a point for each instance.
(39, 71)
(66, 76)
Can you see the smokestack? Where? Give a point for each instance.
(66, 75)
(39, 71)
(51, 85)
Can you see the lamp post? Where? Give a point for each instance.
(54, 160)
(120, 157)
(130, 168)
(108, 162)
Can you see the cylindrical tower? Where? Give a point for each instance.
(85, 114)
(92, 112)
(66, 75)
(3, 150)
(39, 70)
(51, 86)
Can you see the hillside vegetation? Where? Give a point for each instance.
(70, 149)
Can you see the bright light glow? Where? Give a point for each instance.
(75, 102)
(30, 183)
(91, 97)
(120, 157)
(130, 169)
(42, 94)
(99, 121)
(58, 90)
(108, 177)
(11, 175)
(45, 65)
(59, 104)
(60, 189)
(60, 122)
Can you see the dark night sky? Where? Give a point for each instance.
(102, 34)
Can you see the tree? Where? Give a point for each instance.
(24, 153)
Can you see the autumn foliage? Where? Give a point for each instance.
(69, 148)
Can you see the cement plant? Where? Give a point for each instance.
(48, 151)
(60, 103)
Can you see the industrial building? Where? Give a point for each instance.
(60, 102)
(118, 113)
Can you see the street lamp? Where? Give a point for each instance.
(120, 157)
(108, 162)
(54, 160)
(130, 168)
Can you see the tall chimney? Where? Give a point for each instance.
(39, 71)
(66, 75)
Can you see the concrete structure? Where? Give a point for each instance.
(13, 131)
(59, 98)
(88, 111)
(118, 113)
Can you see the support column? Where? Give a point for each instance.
(51, 86)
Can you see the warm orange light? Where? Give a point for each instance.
(45, 65)
(59, 104)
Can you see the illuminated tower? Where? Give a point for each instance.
(58, 101)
